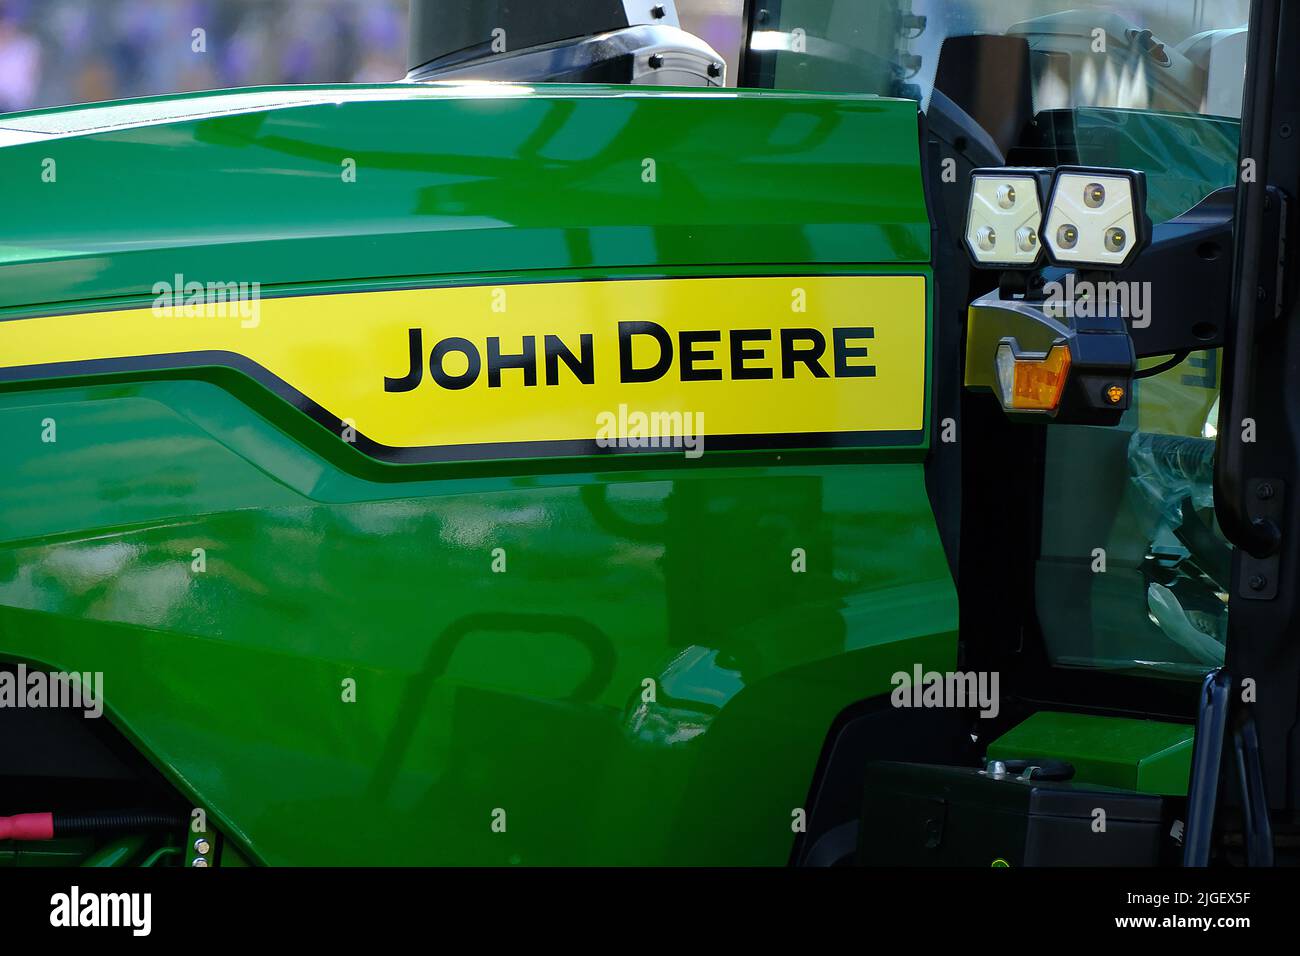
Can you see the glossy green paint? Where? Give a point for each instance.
(524, 691)
(451, 183)
(475, 690)
(1149, 756)
(118, 852)
(64, 852)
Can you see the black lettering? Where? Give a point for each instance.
(690, 355)
(627, 372)
(584, 368)
(466, 378)
(412, 378)
(843, 352)
(740, 354)
(526, 360)
(808, 356)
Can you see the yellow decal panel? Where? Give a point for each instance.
(543, 368)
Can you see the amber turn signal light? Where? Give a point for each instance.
(1032, 382)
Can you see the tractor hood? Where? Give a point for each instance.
(322, 184)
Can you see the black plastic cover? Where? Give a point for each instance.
(928, 815)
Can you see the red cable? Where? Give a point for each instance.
(27, 826)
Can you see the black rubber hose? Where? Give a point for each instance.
(116, 821)
(1172, 362)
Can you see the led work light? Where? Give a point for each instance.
(1096, 217)
(1005, 217)
(1093, 217)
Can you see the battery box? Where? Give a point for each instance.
(927, 815)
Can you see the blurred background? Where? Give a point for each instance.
(56, 52)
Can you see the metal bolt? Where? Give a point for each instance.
(1285, 130)
(1264, 491)
(202, 846)
(656, 60)
(1258, 582)
(715, 70)
(658, 11)
(199, 861)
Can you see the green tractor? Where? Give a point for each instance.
(873, 443)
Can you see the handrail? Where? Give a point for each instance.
(1260, 537)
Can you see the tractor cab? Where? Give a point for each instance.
(1110, 274)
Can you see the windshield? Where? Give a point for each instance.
(1186, 56)
(1154, 85)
